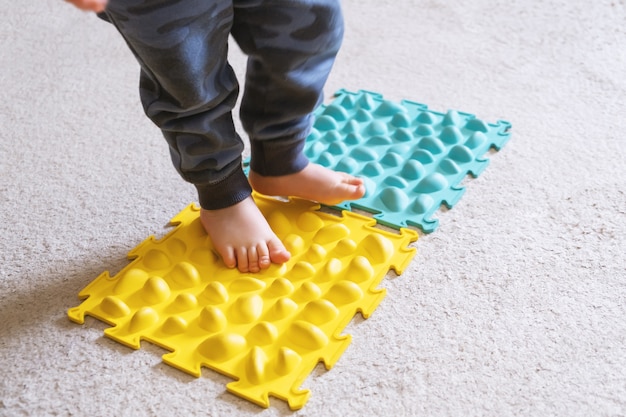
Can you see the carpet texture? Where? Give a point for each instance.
(515, 305)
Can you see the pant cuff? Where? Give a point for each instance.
(225, 193)
(277, 157)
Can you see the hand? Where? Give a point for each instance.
(90, 5)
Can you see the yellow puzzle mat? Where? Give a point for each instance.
(266, 330)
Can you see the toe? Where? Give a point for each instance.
(349, 179)
(355, 187)
(263, 253)
(253, 259)
(242, 259)
(359, 191)
(277, 252)
(229, 258)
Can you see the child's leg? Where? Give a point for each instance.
(188, 89)
(291, 47)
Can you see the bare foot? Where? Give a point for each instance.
(243, 238)
(314, 182)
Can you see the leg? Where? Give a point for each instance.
(291, 47)
(188, 89)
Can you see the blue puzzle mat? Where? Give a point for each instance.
(412, 159)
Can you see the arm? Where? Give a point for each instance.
(90, 5)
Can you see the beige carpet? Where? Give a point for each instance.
(516, 305)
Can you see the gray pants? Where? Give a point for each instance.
(188, 88)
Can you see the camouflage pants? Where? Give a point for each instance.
(188, 88)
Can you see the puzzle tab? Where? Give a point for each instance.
(412, 159)
(266, 330)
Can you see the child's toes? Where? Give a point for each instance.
(229, 257)
(242, 259)
(263, 254)
(277, 251)
(253, 260)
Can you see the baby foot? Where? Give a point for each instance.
(243, 238)
(314, 182)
